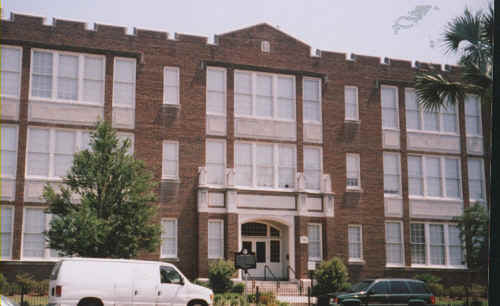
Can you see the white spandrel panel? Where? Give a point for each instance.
(393, 207)
(64, 113)
(123, 117)
(216, 125)
(390, 139)
(435, 209)
(475, 145)
(433, 142)
(262, 128)
(10, 108)
(266, 201)
(8, 190)
(313, 132)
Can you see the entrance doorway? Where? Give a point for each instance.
(265, 241)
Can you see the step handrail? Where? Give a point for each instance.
(289, 268)
(277, 280)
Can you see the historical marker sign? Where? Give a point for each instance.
(245, 260)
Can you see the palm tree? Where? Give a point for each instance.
(471, 36)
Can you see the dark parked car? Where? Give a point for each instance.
(384, 291)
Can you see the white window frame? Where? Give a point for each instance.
(166, 86)
(321, 166)
(4, 125)
(356, 104)
(398, 155)
(276, 164)
(47, 250)
(478, 101)
(397, 108)
(165, 236)
(52, 145)
(225, 91)
(164, 175)
(131, 60)
(20, 72)
(223, 141)
(80, 78)
(402, 243)
(428, 264)
(320, 226)
(221, 222)
(357, 160)
(12, 208)
(442, 163)
(420, 112)
(349, 242)
(483, 179)
(320, 97)
(274, 90)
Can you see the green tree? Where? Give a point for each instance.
(219, 275)
(470, 36)
(331, 275)
(473, 226)
(114, 217)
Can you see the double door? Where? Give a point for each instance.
(268, 253)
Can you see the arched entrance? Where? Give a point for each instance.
(267, 240)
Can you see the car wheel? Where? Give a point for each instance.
(197, 303)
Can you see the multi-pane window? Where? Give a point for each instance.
(8, 151)
(394, 243)
(6, 229)
(216, 91)
(476, 179)
(433, 176)
(124, 82)
(171, 85)
(70, 77)
(353, 173)
(216, 161)
(351, 103)
(170, 160)
(436, 245)
(354, 237)
(50, 151)
(443, 120)
(10, 71)
(168, 238)
(392, 173)
(390, 116)
(311, 99)
(315, 245)
(35, 223)
(265, 165)
(473, 116)
(312, 167)
(264, 95)
(417, 240)
(215, 239)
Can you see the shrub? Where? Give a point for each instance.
(436, 289)
(238, 288)
(428, 278)
(26, 281)
(479, 291)
(4, 285)
(267, 298)
(456, 291)
(331, 276)
(41, 288)
(219, 275)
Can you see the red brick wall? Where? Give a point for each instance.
(186, 124)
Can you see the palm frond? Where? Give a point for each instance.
(433, 91)
(465, 28)
(488, 26)
(473, 76)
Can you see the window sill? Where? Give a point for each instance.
(439, 267)
(10, 97)
(44, 179)
(354, 189)
(359, 262)
(264, 118)
(437, 133)
(170, 105)
(400, 266)
(391, 129)
(67, 102)
(454, 200)
(352, 121)
(393, 196)
(170, 259)
(171, 179)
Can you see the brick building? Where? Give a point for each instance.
(256, 144)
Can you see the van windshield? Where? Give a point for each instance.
(55, 271)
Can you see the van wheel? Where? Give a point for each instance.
(197, 303)
(90, 302)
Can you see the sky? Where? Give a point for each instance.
(366, 27)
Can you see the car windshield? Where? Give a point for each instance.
(361, 286)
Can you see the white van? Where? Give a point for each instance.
(120, 282)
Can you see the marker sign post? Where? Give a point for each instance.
(245, 260)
